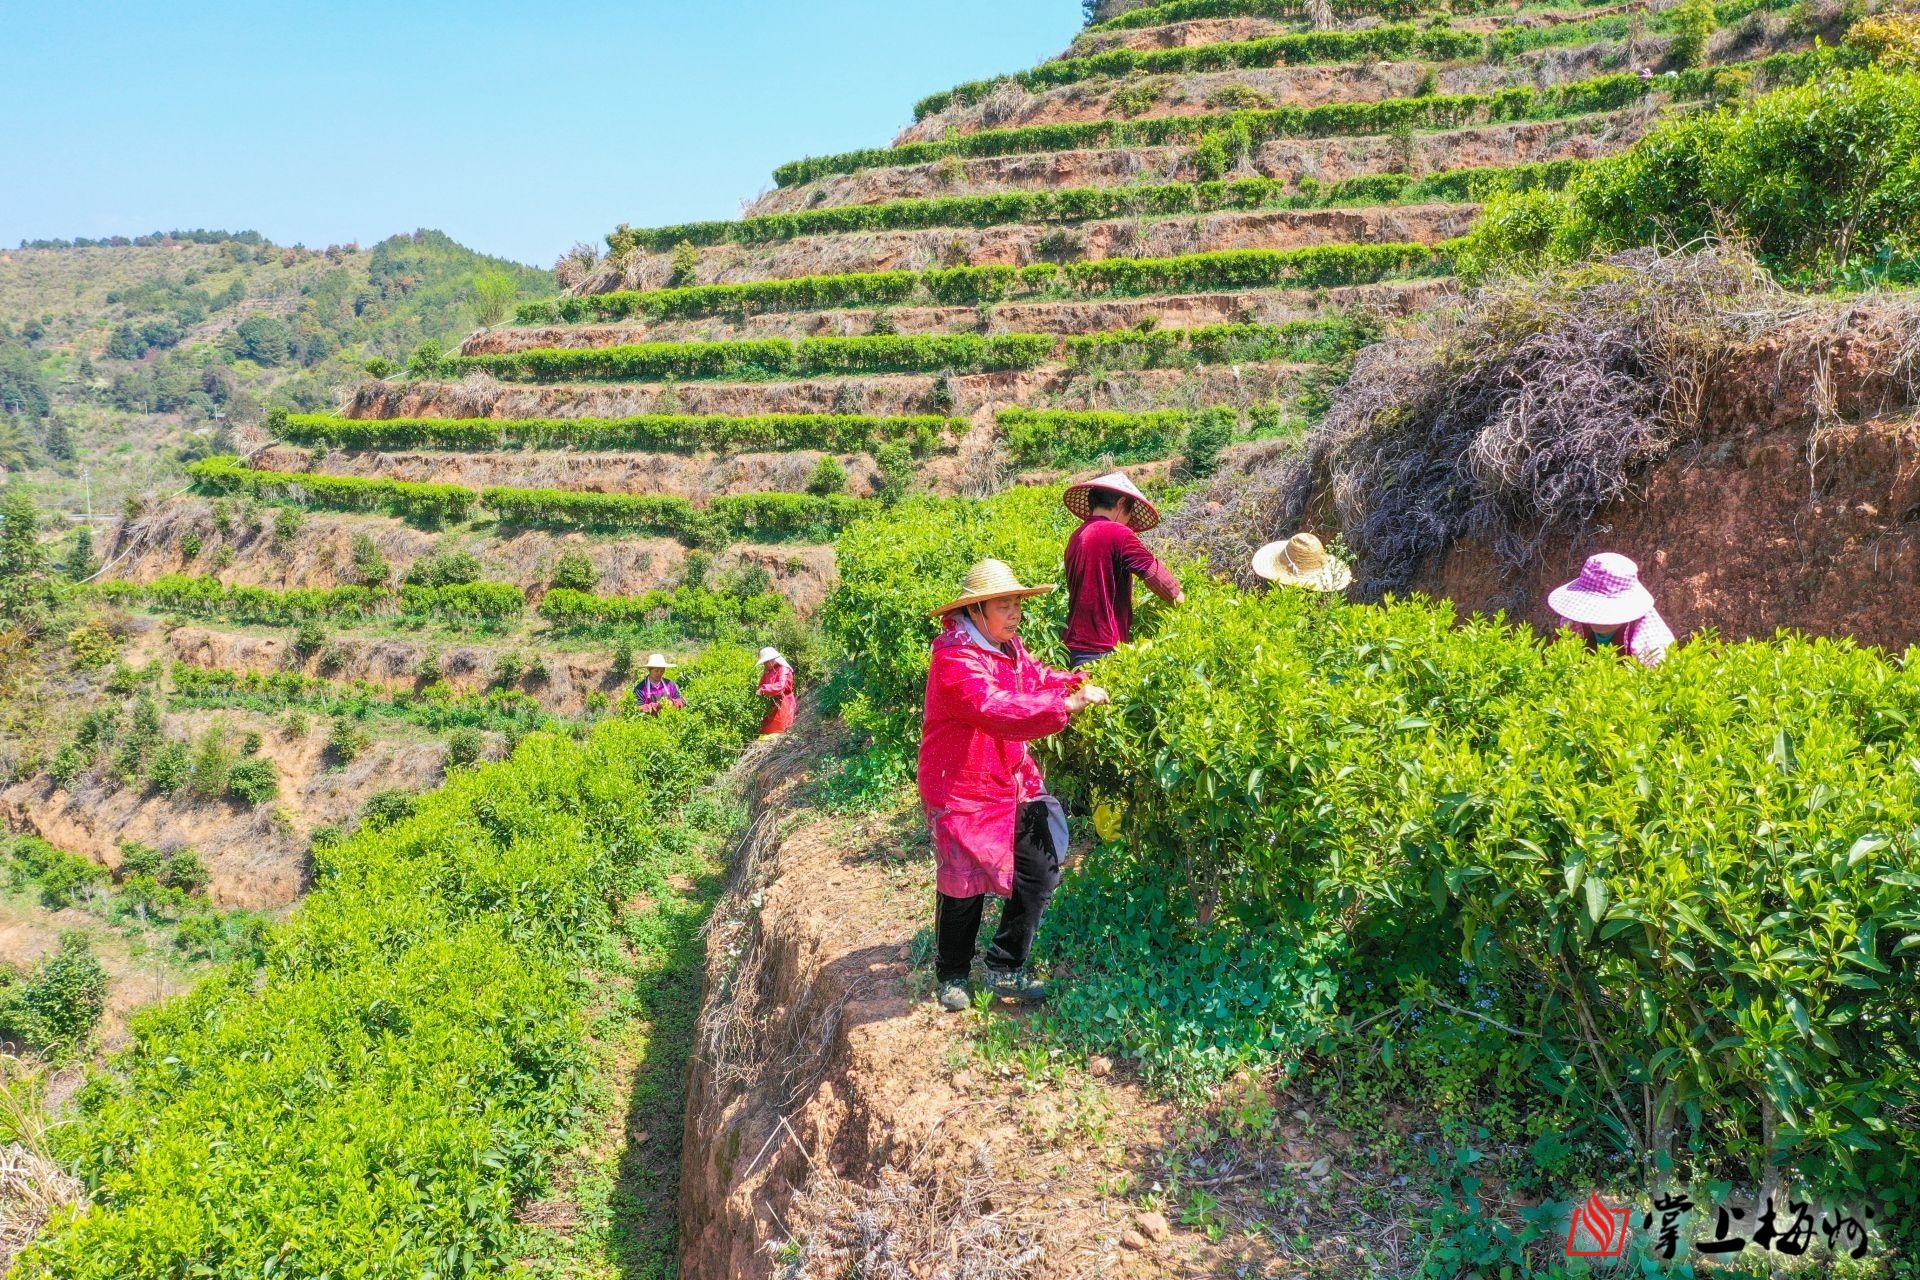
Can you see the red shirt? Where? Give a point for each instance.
(1103, 558)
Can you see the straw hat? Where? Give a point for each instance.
(1608, 593)
(990, 580)
(1300, 561)
(769, 654)
(1078, 498)
(660, 660)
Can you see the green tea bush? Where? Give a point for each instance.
(1316, 265)
(395, 1080)
(1073, 438)
(574, 571)
(1819, 178)
(445, 569)
(1692, 886)
(464, 747)
(769, 432)
(60, 1003)
(753, 515)
(433, 707)
(430, 504)
(1299, 341)
(208, 597)
(62, 878)
(1440, 111)
(253, 781)
(1160, 15)
(769, 358)
(1394, 42)
(1074, 204)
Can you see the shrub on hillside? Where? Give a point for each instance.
(253, 781)
(1819, 178)
(60, 1003)
(574, 572)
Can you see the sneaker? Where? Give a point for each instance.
(1016, 985)
(954, 997)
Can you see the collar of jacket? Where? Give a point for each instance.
(979, 641)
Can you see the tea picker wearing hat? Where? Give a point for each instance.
(776, 685)
(1609, 608)
(995, 829)
(1104, 556)
(1301, 561)
(656, 691)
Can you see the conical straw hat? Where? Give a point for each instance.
(1078, 498)
(1300, 561)
(990, 580)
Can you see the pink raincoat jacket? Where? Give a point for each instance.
(983, 707)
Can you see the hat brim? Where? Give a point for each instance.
(1268, 563)
(1145, 514)
(982, 597)
(1595, 610)
(662, 666)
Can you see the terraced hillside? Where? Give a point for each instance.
(1166, 241)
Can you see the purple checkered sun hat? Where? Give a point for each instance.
(1606, 594)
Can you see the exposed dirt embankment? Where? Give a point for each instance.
(1021, 245)
(834, 1114)
(1183, 311)
(1798, 506)
(697, 478)
(1180, 35)
(322, 554)
(257, 855)
(1202, 93)
(1327, 159)
(1065, 388)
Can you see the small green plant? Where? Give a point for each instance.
(428, 361)
(67, 763)
(828, 477)
(686, 265)
(200, 937)
(309, 638)
(186, 872)
(574, 571)
(384, 808)
(1693, 23)
(93, 644)
(1210, 433)
(370, 567)
(169, 768)
(288, 521)
(62, 1001)
(381, 367)
(253, 781)
(213, 759)
(895, 462)
(464, 746)
(191, 543)
(295, 725)
(509, 668)
(347, 740)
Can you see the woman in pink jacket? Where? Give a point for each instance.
(995, 829)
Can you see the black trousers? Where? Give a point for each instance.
(1078, 658)
(1036, 874)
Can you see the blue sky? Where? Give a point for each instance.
(517, 128)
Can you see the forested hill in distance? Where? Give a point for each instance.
(131, 357)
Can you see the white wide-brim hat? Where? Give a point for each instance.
(1301, 561)
(990, 580)
(1079, 499)
(769, 654)
(660, 660)
(1608, 593)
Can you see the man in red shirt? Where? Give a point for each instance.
(1104, 556)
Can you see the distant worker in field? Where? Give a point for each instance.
(995, 829)
(1302, 561)
(776, 685)
(1609, 608)
(656, 691)
(1104, 556)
